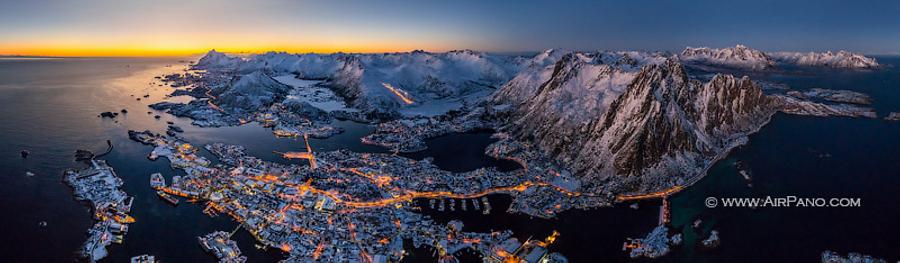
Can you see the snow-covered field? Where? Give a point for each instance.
(309, 91)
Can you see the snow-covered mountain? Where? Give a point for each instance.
(250, 92)
(388, 82)
(214, 60)
(636, 131)
(621, 120)
(841, 59)
(573, 88)
(740, 57)
(306, 66)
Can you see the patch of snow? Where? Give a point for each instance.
(311, 92)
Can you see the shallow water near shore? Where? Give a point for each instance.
(50, 108)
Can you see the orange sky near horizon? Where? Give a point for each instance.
(186, 46)
(182, 28)
(163, 51)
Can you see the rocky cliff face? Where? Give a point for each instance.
(659, 129)
(555, 102)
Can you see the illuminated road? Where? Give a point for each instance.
(660, 194)
(400, 94)
(211, 104)
(308, 155)
(410, 195)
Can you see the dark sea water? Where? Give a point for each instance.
(50, 108)
(807, 157)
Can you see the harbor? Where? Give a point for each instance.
(219, 244)
(100, 187)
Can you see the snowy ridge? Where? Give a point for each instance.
(624, 130)
(585, 73)
(792, 104)
(633, 130)
(251, 92)
(666, 129)
(421, 77)
(743, 57)
(556, 101)
(841, 59)
(214, 60)
(306, 66)
(623, 121)
(740, 57)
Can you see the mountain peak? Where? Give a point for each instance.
(739, 56)
(217, 60)
(840, 59)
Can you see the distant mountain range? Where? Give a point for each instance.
(747, 58)
(624, 121)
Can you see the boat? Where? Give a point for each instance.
(157, 181)
(123, 218)
(167, 197)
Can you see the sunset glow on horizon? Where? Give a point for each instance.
(177, 28)
(186, 49)
(173, 28)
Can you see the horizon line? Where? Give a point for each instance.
(156, 54)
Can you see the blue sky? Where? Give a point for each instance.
(49, 26)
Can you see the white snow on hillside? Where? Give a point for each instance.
(251, 92)
(426, 83)
(841, 59)
(422, 77)
(306, 66)
(310, 92)
(214, 60)
(584, 85)
(435, 82)
(740, 57)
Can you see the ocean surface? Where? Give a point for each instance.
(50, 107)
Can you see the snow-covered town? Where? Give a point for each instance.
(99, 186)
(348, 206)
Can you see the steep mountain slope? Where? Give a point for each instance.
(555, 100)
(251, 92)
(656, 130)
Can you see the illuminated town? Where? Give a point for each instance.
(449, 131)
(353, 206)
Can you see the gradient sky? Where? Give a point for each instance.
(166, 27)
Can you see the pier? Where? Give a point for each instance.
(308, 155)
